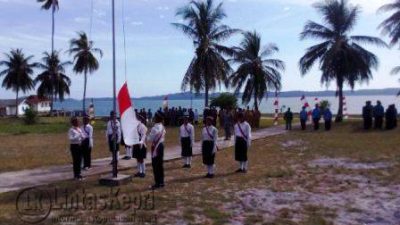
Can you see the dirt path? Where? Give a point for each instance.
(17, 180)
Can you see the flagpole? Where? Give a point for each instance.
(115, 166)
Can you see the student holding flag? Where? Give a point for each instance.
(186, 134)
(242, 142)
(209, 146)
(156, 137)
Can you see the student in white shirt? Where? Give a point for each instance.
(209, 137)
(140, 150)
(113, 127)
(75, 136)
(242, 142)
(87, 143)
(186, 134)
(156, 137)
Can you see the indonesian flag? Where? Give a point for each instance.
(165, 102)
(129, 122)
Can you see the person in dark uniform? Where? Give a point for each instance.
(140, 150)
(87, 143)
(242, 142)
(76, 136)
(186, 134)
(288, 117)
(209, 137)
(303, 118)
(391, 117)
(379, 113)
(157, 137)
(113, 128)
(328, 119)
(316, 116)
(367, 114)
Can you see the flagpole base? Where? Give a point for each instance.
(111, 181)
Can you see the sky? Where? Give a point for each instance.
(158, 55)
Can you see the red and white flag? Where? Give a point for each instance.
(129, 122)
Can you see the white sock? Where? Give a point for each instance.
(212, 169)
(184, 160)
(128, 151)
(190, 160)
(138, 167)
(245, 165)
(241, 165)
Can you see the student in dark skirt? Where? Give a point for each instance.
(186, 133)
(113, 133)
(157, 137)
(76, 136)
(242, 142)
(140, 150)
(209, 137)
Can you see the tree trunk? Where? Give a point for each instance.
(255, 102)
(84, 93)
(206, 93)
(339, 116)
(52, 28)
(16, 105)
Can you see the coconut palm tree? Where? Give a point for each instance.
(17, 73)
(391, 25)
(257, 73)
(341, 57)
(203, 25)
(53, 82)
(84, 60)
(53, 5)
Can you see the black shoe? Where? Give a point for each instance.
(239, 171)
(189, 166)
(211, 176)
(156, 186)
(142, 175)
(127, 158)
(136, 175)
(207, 175)
(244, 171)
(184, 166)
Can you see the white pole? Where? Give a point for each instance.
(115, 168)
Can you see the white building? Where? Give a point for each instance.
(39, 105)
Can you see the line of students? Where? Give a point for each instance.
(209, 139)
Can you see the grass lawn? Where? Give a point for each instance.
(28, 146)
(346, 176)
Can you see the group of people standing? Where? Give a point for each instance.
(81, 139)
(376, 115)
(316, 115)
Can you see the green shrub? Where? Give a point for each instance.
(30, 116)
(225, 100)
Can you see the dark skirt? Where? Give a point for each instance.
(240, 149)
(139, 153)
(207, 152)
(186, 147)
(111, 144)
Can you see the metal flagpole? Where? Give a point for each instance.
(115, 163)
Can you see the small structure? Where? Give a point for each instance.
(39, 105)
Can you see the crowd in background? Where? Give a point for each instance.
(375, 116)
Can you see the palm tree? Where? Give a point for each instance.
(395, 71)
(256, 72)
(53, 5)
(391, 26)
(53, 82)
(17, 72)
(208, 68)
(341, 56)
(84, 59)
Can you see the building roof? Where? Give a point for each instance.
(30, 100)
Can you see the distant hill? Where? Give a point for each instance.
(285, 94)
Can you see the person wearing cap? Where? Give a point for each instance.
(242, 142)
(140, 150)
(76, 136)
(113, 134)
(157, 137)
(87, 143)
(209, 137)
(186, 134)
